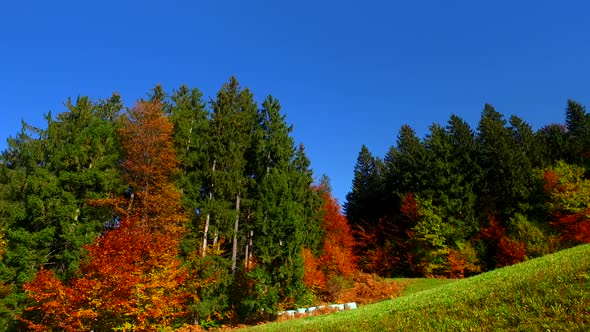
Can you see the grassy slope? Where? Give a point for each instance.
(548, 293)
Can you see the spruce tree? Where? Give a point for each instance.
(47, 178)
(506, 171)
(282, 220)
(190, 117)
(578, 128)
(364, 202)
(232, 127)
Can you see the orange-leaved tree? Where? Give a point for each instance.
(132, 278)
(337, 257)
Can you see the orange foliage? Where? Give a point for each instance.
(574, 227)
(146, 137)
(380, 260)
(132, 277)
(507, 251)
(369, 288)
(338, 257)
(462, 262)
(551, 180)
(313, 278)
(410, 207)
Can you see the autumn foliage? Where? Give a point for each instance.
(569, 201)
(337, 258)
(150, 164)
(505, 250)
(132, 278)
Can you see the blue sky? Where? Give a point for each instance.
(346, 72)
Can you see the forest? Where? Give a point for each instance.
(179, 211)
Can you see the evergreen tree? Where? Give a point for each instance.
(282, 223)
(232, 127)
(578, 127)
(464, 174)
(406, 164)
(554, 142)
(190, 118)
(364, 203)
(47, 177)
(524, 139)
(504, 182)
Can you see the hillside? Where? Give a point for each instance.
(548, 293)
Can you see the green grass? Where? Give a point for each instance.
(415, 285)
(551, 293)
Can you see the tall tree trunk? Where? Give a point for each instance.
(247, 253)
(250, 245)
(234, 252)
(208, 218)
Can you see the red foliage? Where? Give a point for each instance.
(574, 227)
(509, 252)
(494, 231)
(410, 207)
(375, 246)
(506, 251)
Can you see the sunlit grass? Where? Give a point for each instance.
(551, 293)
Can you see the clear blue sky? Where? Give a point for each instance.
(346, 72)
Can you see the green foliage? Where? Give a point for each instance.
(568, 189)
(536, 237)
(363, 203)
(429, 241)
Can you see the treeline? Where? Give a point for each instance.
(174, 211)
(181, 211)
(461, 201)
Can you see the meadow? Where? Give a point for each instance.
(550, 293)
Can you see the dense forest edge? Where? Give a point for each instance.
(180, 212)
